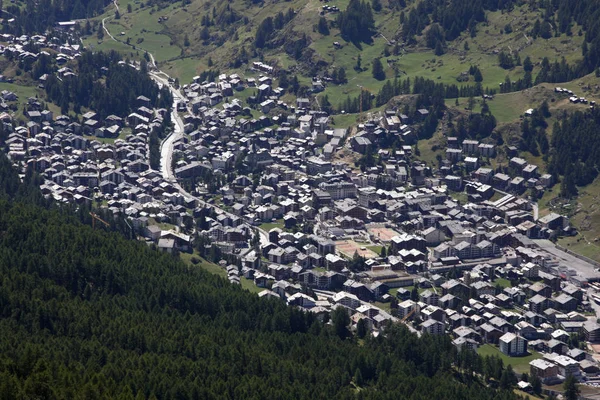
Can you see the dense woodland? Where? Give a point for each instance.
(38, 16)
(575, 151)
(356, 23)
(87, 314)
(106, 86)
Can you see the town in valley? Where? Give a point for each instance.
(276, 197)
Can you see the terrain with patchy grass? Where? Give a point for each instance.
(519, 364)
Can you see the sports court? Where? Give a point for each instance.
(382, 233)
(349, 247)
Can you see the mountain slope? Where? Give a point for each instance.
(87, 314)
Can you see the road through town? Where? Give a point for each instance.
(168, 146)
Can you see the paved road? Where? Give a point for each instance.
(595, 306)
(583, 268)
(167, 147)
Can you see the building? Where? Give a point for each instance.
(543, 369)
(347, 299)
(566, 365)
(464, 343)
(512, 345)
(316, 165)
(433, 327)
(591, 331)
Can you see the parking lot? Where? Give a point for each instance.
(583, 268)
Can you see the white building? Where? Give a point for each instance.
(347, 299)
(512, 345)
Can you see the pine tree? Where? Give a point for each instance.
(571, 389)
(205, 34)
(326, 104)
(536, 385)
(340, 320)
(527, 64)
(506, 379)
(361, 328)
(283, 80)
(378, 72)
(568, 188)
(341, 75)
(322, 27)
(414, 294)
(439, 49)
(358, 378)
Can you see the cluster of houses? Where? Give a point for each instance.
(281, 171)
(301, 185)
(79, 167)
(463, 165)
(99, 161)
(22, 47)
(540, 313)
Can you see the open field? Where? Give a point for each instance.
(375, 249)
(509, 107)
(107, 44)
(122, 135)
(248, 284)
(185, 69)
(527, 395)
(519, 364)
(502, 282)
(24, 92)
(208, 266)
(267, 226)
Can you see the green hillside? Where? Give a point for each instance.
(233, 26)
